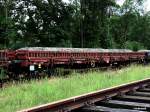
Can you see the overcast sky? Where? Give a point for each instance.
(120, 2)
(147, 5)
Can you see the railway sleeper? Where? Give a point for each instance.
(140, 99)
(125, 105)
(107, 109)
(144, 90)
(137, 93)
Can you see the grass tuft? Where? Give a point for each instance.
(28, 94)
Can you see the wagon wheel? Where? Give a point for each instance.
(93, 64)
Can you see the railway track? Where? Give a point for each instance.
(132, 97)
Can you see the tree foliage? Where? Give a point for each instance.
(79, 23)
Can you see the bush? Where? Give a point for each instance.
(133, 45)
(2, 74)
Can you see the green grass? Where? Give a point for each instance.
(33, 93)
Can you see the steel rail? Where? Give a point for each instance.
(88, 99)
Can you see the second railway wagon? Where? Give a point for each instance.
(6, 56)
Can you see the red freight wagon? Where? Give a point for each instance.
(24, 61)
(47, 57)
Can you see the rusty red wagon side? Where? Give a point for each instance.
(43, 58)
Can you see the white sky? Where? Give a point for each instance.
(147, 5)
(120, 2)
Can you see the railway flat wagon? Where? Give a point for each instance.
(47, 58)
